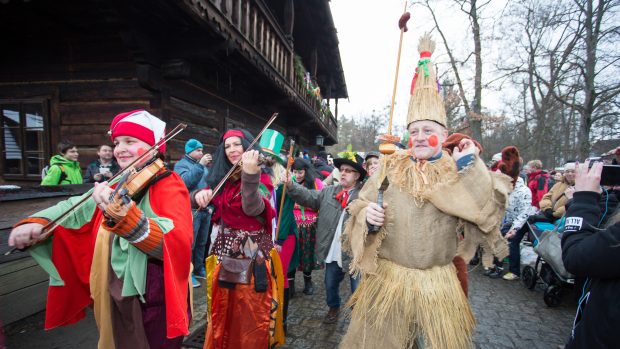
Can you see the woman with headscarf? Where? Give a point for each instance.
(243, 315)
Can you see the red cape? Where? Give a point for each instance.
(73, 250)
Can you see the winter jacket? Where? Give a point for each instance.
(322, 168)
(555, 199)
(71, 169)
(519, 205)
(594, 254)
(93, 169)
(193, 173)
(608, 203)
(538, 182)
(329, 209)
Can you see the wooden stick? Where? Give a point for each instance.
(288, 169)
(400, 46)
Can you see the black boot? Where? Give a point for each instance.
(291, 285)
(285, 309)
(308, 285)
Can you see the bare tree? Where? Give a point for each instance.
(538, 62)
(473, 109)
(361, 131)
(599, 85)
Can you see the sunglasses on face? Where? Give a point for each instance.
(348, 170)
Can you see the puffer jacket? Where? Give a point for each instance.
(71, 169)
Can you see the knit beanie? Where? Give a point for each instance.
(141, 125)
(570, 166)
(192, 145)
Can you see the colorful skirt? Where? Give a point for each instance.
(307, 241)
(241, 317)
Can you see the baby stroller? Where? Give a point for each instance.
(548, 270)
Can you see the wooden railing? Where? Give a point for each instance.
(254, 24)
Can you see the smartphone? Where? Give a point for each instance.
(610, 175)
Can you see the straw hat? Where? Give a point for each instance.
(425, 102)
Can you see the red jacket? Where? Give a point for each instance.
(538, 182)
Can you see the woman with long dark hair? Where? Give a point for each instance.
(305, 218)
(243, 218)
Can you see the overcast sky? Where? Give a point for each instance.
(368, 34)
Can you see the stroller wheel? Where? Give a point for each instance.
(528, 276)
(552, 296)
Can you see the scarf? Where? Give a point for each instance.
(343, 197)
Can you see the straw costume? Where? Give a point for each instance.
(410, 296)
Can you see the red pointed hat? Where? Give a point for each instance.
(141, 125)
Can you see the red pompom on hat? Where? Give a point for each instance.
(141, 125)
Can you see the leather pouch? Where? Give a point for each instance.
(236, 270)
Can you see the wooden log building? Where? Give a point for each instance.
(67, 67)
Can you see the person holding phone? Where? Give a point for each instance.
(592, 251)
(104, 167)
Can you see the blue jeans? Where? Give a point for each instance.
(333, 276)
(515, 251)
(202, 219)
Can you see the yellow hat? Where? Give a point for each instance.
(425, 102)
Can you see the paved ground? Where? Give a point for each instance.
(509, 316)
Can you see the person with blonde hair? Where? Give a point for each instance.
(537, 181)
(553, 204)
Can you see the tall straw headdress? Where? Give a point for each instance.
(425, 102)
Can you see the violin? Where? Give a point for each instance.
(236, 168)
(262, 160)
(131, 183)
(150, 170)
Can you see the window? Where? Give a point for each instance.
(24, 138)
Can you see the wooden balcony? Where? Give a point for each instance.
(251, 27)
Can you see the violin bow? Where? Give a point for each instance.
(232, 169)
(49, 227)
(288, 170)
